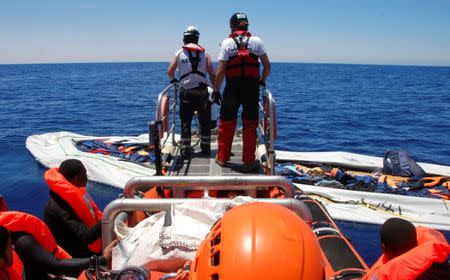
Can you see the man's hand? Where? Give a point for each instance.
(107, 252)
(174, 81)
(183, 273)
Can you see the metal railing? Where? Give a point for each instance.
(180, 184)
(171, 91)
(128, 204)
(267, 128)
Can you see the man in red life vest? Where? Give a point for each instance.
(239, 63)
(411, 253)
(193, 64)
(71, 214)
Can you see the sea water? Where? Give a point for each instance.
(365, 109)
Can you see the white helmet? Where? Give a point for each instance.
(191, 30)
(191, 35)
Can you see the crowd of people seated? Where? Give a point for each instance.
(62, 243)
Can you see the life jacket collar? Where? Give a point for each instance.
(240, 33)
(193, 47)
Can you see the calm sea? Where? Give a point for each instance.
(321, 107)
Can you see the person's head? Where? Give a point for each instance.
(191, 35)
(5, 248)
(397, 236)
(259, 241)
(74, 172)
(239, 22)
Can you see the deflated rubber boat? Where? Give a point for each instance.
(109, 167)
(369, 196)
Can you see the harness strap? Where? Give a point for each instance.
(241, 44)
(194, 65)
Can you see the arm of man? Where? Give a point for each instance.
(266, 67)
(172, 68)
(83, 233)
(32, 254)
(220, 75)
(210, 69)
(167, 266)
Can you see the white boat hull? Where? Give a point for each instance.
(50, 149)
(368, 207)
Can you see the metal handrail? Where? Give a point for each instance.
(174, 89)
(269, 134)
(179, 184)
(128, 204)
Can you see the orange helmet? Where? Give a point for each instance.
(259, 241)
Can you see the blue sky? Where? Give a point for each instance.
(401, 32)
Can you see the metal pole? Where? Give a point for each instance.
(210, 182)
(176, 90)
(127, 204)
(154, 139)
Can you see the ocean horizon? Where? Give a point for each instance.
(215, 62)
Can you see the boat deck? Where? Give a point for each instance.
(199, 164)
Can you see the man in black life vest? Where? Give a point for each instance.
(239, 63)
(193, 63)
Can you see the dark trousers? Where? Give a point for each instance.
(192, 100)
(245, 92)
(240, 91)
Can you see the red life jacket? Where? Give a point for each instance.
(244, 63)
(23, 222)
(15, 271)
(78, 199)
(431, 247)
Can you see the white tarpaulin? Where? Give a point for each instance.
(375, 208)
(174, 234)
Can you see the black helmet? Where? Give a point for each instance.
(239, 21)
(191, 35)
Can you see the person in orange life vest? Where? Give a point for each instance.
(11, 267)
(239, 63)
(193, 64)
(34, 259)
(71, 214)
(411, 253)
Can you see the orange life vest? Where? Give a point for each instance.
(23, 222)
(432, 181)
(78, 199)
(431, 247)
(15, 271)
